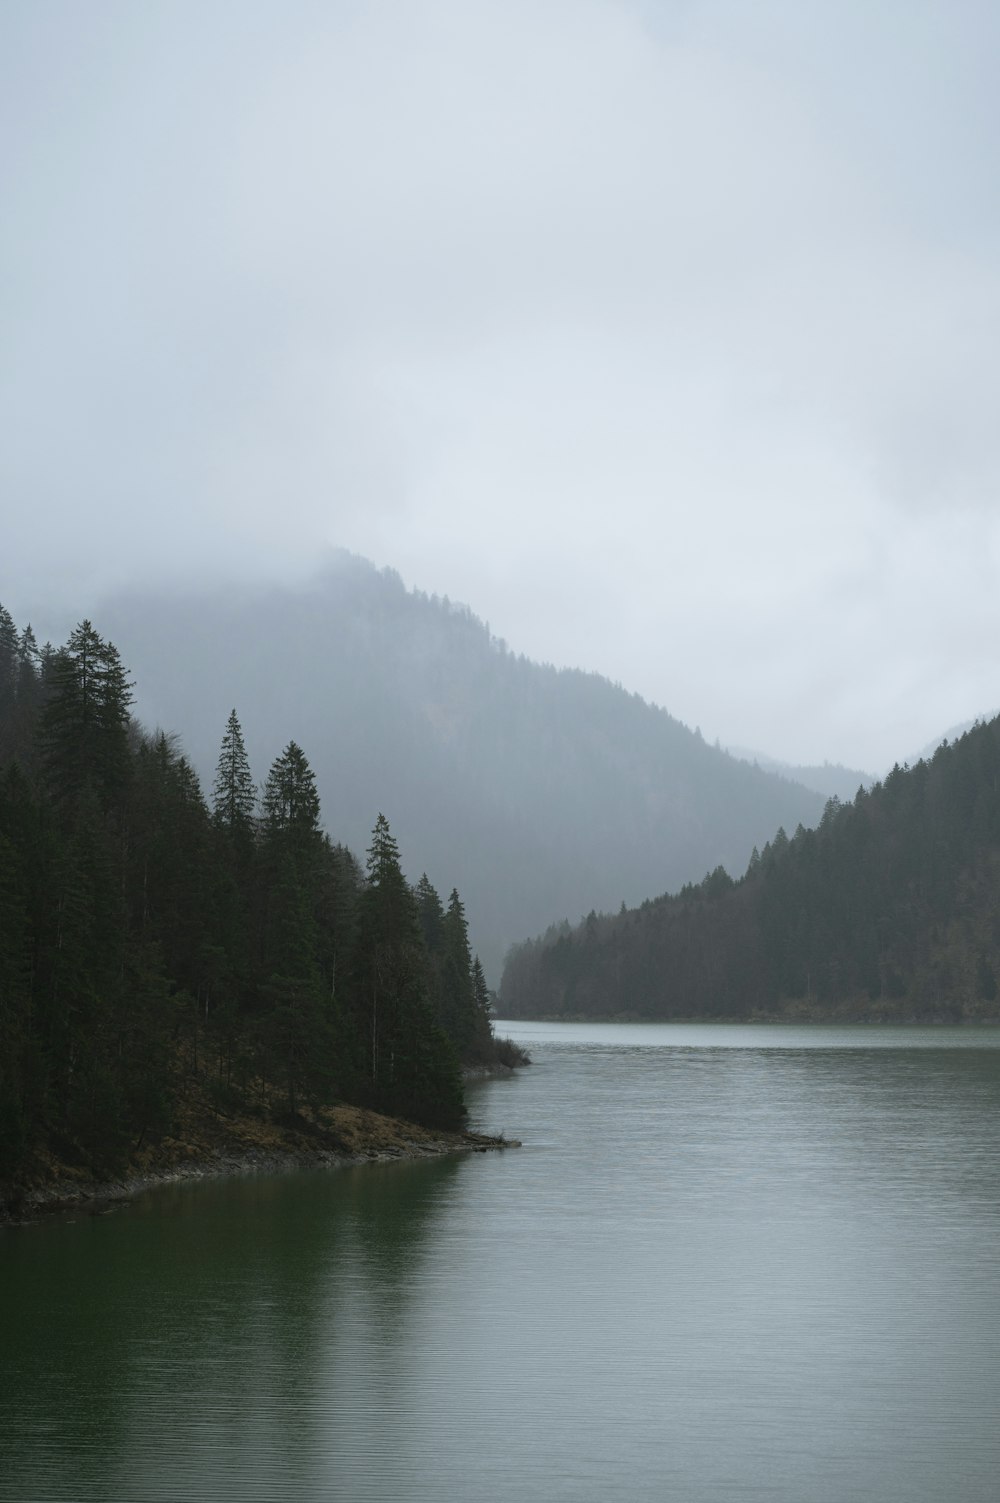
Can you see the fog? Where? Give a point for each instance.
(664, 335)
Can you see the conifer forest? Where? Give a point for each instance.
(150, 936)
(886, 911)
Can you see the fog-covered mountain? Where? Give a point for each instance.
(887, 911)
(953, 733)
(831, 779)
(539, 792)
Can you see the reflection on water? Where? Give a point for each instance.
(752, 1263)
(186, 1332)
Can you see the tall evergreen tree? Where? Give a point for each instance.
(458, 1008)
(338, 887)
(297, 1027)
(291, 802)
(28, 661)
(8, 662)
(410, 1065)
(431, 914)
(234, 794)
(481, 993)
(85, 721)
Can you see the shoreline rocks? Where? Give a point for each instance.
(385, 1141)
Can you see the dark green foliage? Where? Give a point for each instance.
(145, 941)
(8, 663)
(235, 796)
(85, 722)
(457, 999)
(291, 803)
(22, 669)
(463, 1015)
(409, 1064)
(297, 1025)
(458, 987)
(888, 909)
(536, 791)
(480, 991)
(431, 915)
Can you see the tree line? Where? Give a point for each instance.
(887, 910)
(149, 936)
(581, 793)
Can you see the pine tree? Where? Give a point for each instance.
(383, 866)
(291, 803)
(431, 913)
(458, 1007)
(85, 721)
(296, 1029)
(8, 664)
(481, 993)
(234, 794)
(386, 950)
(410, 1066)
(236, 904)
(337, 889)
(21, 668)
(28, 660)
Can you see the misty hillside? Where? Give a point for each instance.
(538, 792)
(953, 733)
(831, 779)
(888, 910)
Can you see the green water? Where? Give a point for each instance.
(727, 1264)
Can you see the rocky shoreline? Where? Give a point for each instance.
(346, 1136)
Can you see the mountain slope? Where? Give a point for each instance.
(830, 779)
(538, 792)
(888, 910)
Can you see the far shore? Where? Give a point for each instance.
(788, 1019)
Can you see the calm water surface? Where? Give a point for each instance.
(727, 1264)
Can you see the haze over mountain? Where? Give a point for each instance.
(951, 734)
(668, 334)
(886, 911)
(833, 780)
(830, 779)
(539, 792)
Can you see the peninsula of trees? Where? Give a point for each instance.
(888, 910)
(149, 938)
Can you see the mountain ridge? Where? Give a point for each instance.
(886, 912)
(539, 790)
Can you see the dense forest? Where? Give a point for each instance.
(148, 937)
(887, 910)
(583, 794)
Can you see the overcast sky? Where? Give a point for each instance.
(666, 335)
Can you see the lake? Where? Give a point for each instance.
(728, 1263)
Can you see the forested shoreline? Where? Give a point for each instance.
(887, 911)
(153, 942)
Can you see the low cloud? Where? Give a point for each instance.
(664, 335)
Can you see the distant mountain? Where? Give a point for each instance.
(830, 779)
(888, 910)
(538, 792)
